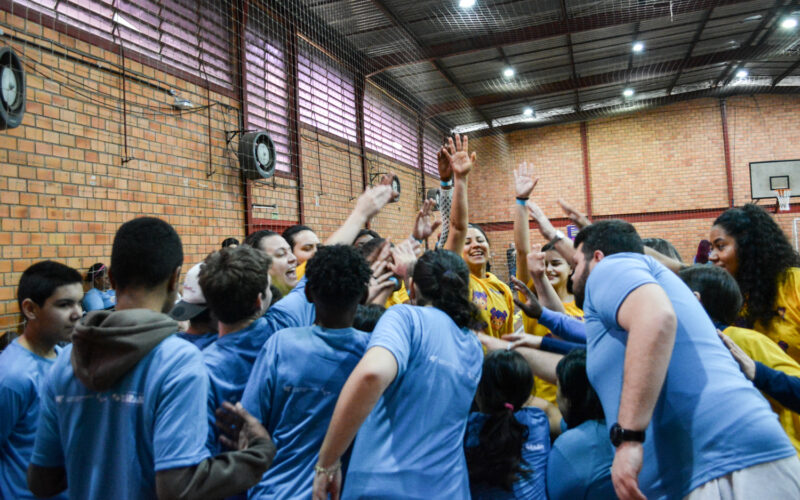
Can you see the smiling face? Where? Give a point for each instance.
(305, 245)
(723, 250)
(476, 249)
(557, 269)
(282, 272)
(56, 318)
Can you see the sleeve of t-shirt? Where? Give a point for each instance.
(292, 311)
(610, 284)
(560, 346)
(181, 422)
(783, 388)
(394, 333)
(563, 325)
(257, 396)
(12, 402)
(563, 483)
(47, 451)
(92, 301)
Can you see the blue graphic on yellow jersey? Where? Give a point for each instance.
(480, 299)
(498, 318)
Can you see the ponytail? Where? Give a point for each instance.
(443, 280)
(505, 385)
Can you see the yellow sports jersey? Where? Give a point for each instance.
(544, 389)
(398, 297)
(765, 351)
(495, 303)
(784, 329)
(301, 270)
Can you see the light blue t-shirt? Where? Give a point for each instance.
(200, 341)
(291, 311)
(21, 375)
(412, 443)
(579, 465)
(229, 361)
(534, 456)
(709, 420)
(113, 442)
(293, 390)
(97, 299)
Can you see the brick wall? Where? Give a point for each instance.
(663, 168)
(64, 189)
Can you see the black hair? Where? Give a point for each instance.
(40, 280)
(479, 228)
(610, 237)
(232, 279)
(718, 291)
(366, 232)
(497, 460)
(290, 232)
(369, 247)
(96, 270)
(763, 253)
(276, 294)
(583, 403)
(146, 251)
(338, 276)
(442, 278)
(229, 241)
(367, 316)
(663, 247)
(254, 239)
(550, 245)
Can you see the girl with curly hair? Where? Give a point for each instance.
(751, 246)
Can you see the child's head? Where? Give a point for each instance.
(576, 397)
(338, 278)
(717, 290)
(49, 295)
(506, 380)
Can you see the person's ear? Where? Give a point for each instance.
(598, 255)
(30, 309)
(697, 296)
(174, 279)
(412, 290)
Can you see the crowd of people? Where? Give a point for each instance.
(356, 367)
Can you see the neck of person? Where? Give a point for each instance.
(32, 341)
(201, 328)
(562, 292)
(477, 270)
(156, 299)
(335, 318)
(228, 328)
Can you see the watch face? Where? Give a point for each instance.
(262, 154)
(10, 87)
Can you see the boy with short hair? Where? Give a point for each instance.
(49, 297)
(122, 410)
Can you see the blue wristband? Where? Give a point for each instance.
(521, 202)
(446, 184)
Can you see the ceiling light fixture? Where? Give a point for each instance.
(466, 4)
(628, 92)
(638, 47)
(527, 111)
(742, 73)
(508, 72)
(789, 23)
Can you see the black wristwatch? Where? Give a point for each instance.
(619, 435)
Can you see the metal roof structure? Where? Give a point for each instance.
(572, 59)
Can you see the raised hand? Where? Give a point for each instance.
(374, 198)
(445, 172)
(425, 225)
(531, 307)
(458, 155)
(238, 426)
(404, 258)
(536, 262)
(545, 227)
(578, 218)
(524, 181)
(381, 285)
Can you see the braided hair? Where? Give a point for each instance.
(442, 278)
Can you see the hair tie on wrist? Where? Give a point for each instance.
(509, 406)
(521, 201)
(446, 183)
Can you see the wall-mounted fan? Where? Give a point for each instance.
(257, 155)
(12, 89)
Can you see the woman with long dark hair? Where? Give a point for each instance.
(409, 396)
(750, 245)
(507, 442)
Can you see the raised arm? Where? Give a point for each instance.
(547, 294)
(445, 195)
(368, 205)
(673, 265)
(461, 162)
(562, 243)
(648, 317)
(524, 183)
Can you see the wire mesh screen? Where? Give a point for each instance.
(650, 110)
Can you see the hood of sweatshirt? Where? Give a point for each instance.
(108, 344)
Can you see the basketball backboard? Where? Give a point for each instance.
(768, 176)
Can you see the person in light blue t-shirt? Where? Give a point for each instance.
(49, 297)
(235, 282)
(409, 396)
(101, 295)
(579, 465)
(507, 442)
(123, 408)
(300, 371)
(664, 377)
